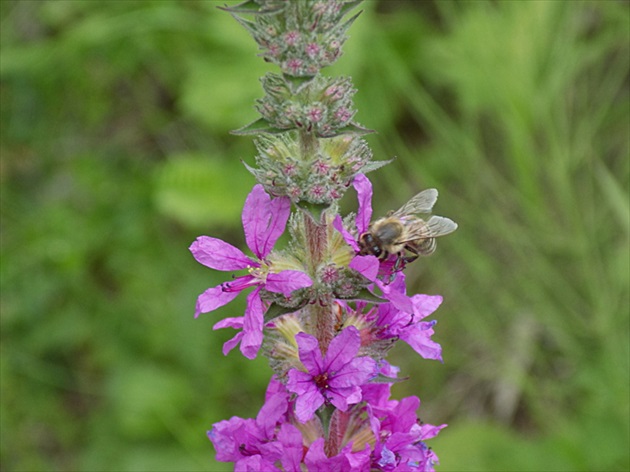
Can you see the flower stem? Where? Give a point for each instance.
(321, 310)
(333, 442)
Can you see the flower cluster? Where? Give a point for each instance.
(322, 309)
(322, 106)
(322, 178)
(381, 434)
(299, 36)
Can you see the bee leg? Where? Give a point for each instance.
(412, 257)
(409, 259)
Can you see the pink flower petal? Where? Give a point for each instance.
(299, 382)
(342, 349)
(424, 305)
(253, 325)
(397, 298)
(418, 336)
(429, 431)
(287, 281)
(272, 411)
(341, 398)
(367, 266)
(236, 323)
(338, 225)
(264, 220)
(307, 403)
(363, 186)
(218, 254)
(356, 372)
(310, 354)
(291, 439)
(212, 299)
(232, 343)
(315, 459)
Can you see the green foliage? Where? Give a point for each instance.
(116, 155)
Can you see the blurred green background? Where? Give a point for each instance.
(116, 154)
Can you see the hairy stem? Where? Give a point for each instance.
(320, 311)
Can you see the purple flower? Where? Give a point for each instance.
(399, 436)
(392, 321)
(316, 459)
(241, 441)
(264, 220)
(256, 445)
(336, 377)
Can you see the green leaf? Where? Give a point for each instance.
(370, 166)
(380, 378)
(366, 295)
(276, 310)
(250, 6)
(348, 6)
(315, 210)
(352, 128)
(257, 127)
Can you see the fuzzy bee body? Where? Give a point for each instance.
(404, 234)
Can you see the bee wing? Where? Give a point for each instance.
(421, 203)
(440, 226)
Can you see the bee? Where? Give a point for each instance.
(404, 234)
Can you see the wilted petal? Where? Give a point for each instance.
(287, 281)
(264, 220)
(218, 254)
(212, 299)
(363, 186)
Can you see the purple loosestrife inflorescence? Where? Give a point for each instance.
(325, 308)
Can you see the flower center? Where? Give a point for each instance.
(321, 380)
(257, 276)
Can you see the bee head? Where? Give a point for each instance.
(370, 245)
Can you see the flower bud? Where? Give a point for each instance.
(301, 37)
(321, 107)
(319, 179)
